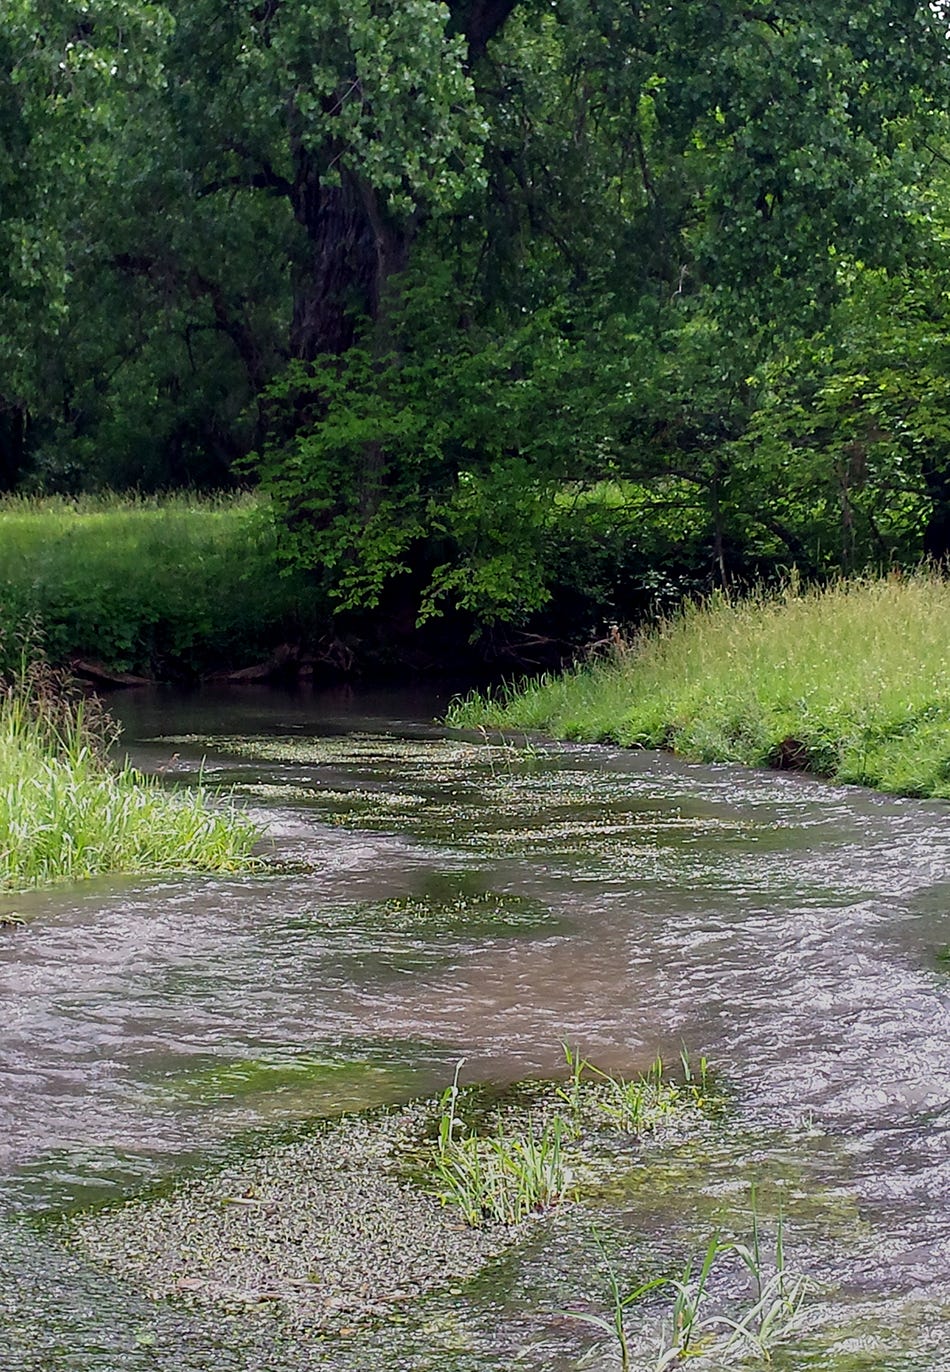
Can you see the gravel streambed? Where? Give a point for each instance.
(320, 1231)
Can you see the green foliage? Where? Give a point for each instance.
(849, 682)
(66, 813)
(168, 588)
(441, 463)
(442, 267)
(500, 1178)
(634, 1105)
(67, 80)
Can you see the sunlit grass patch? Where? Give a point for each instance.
(175, 585)
(67, 813)
(850, 682)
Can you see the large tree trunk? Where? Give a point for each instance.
(353, 250)
(13, 427)
(346, 278)
(334, 282)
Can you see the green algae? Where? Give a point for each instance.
(724, 1169)
(306, 1083)
(491, 800)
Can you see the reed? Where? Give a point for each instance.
(67, 813)
(764, 1318)
(500, 1178)
(851, 682)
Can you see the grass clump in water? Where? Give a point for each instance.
(767, 1316)
(851, 682)
(67, 813)
(502, 1175)
(634, 1105)
(502, 1178)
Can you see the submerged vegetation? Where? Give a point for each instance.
(850, 682)
(336, 1228)
(68, 812)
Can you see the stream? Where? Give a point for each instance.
(436, 896)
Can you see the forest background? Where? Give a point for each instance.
(520, 319)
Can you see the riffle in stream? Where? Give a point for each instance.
(433, 897)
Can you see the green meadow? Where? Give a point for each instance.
(851, 682)
(174, 587)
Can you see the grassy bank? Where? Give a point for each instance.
(175, 587)
(850, 682)
(66, 813)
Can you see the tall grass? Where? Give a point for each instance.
(175, 586)
(67, 813)
(851, 681)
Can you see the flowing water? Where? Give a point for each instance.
(446, 896)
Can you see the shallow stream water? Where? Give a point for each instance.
(443, 896)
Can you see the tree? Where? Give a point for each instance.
(442, 267)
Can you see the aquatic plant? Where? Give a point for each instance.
(496, 1173)
(850, 682)
(637, 1104)
(778, 1294)
(67, 812)
(501, 1177)
(686, 1326)
(769, 1316)
(614, 1324)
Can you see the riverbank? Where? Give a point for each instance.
(68, 813)
(850, 682)
(172, 588)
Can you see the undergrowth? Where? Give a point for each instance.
(850, 682)
(170, 587)
(67, 812)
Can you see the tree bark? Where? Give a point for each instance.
(334, 283)
(13, 427)
(480, 21)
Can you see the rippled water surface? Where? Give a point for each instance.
(440, 897)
